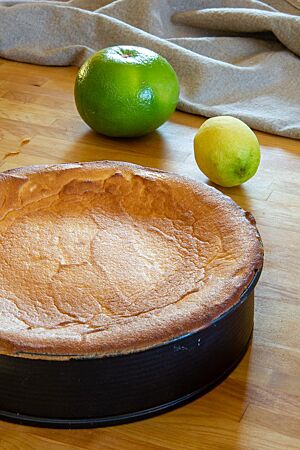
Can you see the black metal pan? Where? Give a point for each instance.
(82, 393)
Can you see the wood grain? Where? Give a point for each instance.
(258, 406)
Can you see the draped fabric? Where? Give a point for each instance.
(233, 57)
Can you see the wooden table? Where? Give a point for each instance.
(258, 406)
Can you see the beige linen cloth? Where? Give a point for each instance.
(237, 58)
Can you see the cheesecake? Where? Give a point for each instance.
(110, 258)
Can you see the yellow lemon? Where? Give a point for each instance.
(226, 151)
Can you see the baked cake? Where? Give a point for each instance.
(108, 258)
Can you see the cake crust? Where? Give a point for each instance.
(107, 258)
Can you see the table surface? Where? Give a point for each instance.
(258, 405)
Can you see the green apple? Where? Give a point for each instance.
(226, 151)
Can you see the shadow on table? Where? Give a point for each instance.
(150, 150)
(237, 193)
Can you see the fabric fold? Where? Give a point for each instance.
(285, 27)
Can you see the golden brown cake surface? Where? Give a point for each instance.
(104, 258)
